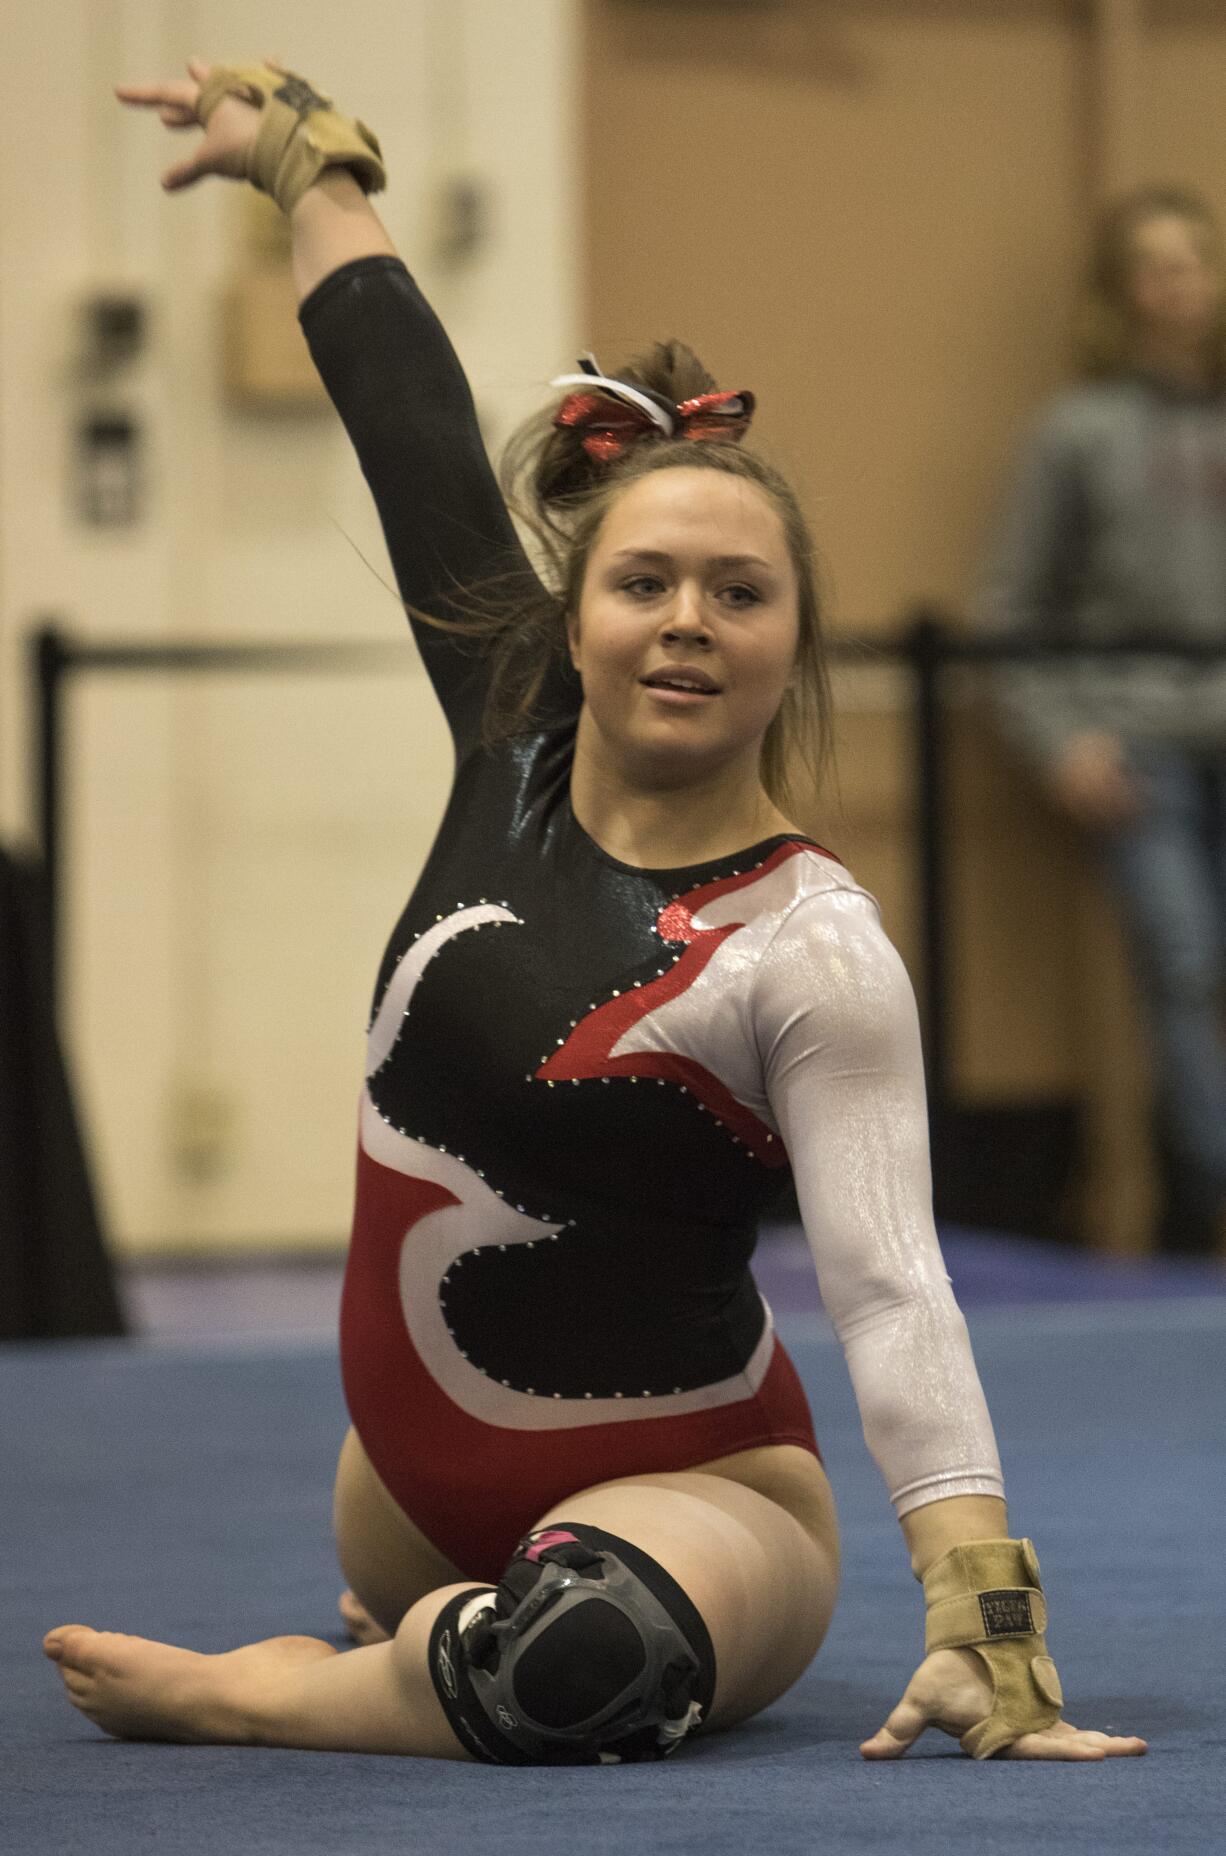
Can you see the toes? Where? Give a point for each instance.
(63, 1640)
(361, 1626)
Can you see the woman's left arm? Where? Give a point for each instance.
(845, 1082)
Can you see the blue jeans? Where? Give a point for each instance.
(1168, 870)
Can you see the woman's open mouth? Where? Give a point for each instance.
(679, 688)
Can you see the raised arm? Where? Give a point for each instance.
(395, 379)
(331, 224)
(845, 1081)
(334, 223)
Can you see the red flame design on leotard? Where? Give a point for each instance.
(590, 1049)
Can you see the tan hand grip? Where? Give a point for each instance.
(986, 1596)
(300, 133)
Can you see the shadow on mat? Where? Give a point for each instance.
(821, 1715)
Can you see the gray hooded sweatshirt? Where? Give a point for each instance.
(1115, 528)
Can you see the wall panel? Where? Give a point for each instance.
(876, 215)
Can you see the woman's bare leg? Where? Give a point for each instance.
(288, 1691)
(387, 1561)
(763, 1583)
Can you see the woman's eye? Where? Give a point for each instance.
(642, 584)
(742, 595)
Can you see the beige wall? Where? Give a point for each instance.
(240, 849)
(874, 213)
(871, 211)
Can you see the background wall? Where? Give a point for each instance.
(239, 848)
(871, 211)
(875, 213)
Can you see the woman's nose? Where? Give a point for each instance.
(687, 617)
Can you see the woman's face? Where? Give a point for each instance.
(1174, 279)
(688, 624)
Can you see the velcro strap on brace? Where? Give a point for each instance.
(986, 1596)
(300, 134)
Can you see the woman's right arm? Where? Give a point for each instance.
(395, 380)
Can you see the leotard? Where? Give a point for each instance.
(586, 1080)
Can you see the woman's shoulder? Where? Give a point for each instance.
(829, 960)
(820, 872)
(794, 887)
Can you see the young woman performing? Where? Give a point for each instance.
(581, 1494)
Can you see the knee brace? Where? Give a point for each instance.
(587, 1652)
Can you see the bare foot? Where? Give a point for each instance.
(358, 1621)
(140, 1690)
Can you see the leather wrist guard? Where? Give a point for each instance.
(300, 133)
(986, 1596)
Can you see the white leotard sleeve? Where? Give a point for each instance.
(838, 1036)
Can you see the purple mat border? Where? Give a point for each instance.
(298, 1298)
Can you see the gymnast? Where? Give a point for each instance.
(581, 1509)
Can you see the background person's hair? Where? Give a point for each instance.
(562, 497)
(1105, 332)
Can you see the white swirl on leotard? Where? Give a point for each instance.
(438, 1243)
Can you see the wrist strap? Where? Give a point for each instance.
(300, 134)
(986, 1596)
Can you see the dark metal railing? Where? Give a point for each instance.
(56, 657)
(927, 643)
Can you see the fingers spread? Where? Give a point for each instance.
(1115, 1746)
(179, 95)
(181, 176)
(883, 1745)
(901, 1730)
(1066, 1742)
(1052, 1746)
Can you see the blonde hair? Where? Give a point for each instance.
(1106, 327)
(562, 496)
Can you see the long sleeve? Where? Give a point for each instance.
(1031, 587)
(838, 1037)
(397, 383)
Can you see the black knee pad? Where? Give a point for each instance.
(587, 1652)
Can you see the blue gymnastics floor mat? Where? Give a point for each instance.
(185, 1494)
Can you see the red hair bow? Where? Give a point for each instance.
(610, 426)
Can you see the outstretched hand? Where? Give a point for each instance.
(952, 1690)
(226, 140)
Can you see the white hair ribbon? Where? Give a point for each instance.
(621, 391)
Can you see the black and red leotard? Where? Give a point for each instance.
(585, 1080)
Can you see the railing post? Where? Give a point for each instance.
(49, 658)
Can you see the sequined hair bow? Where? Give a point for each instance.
(611, 415)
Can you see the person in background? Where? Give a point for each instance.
(1115, 531)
